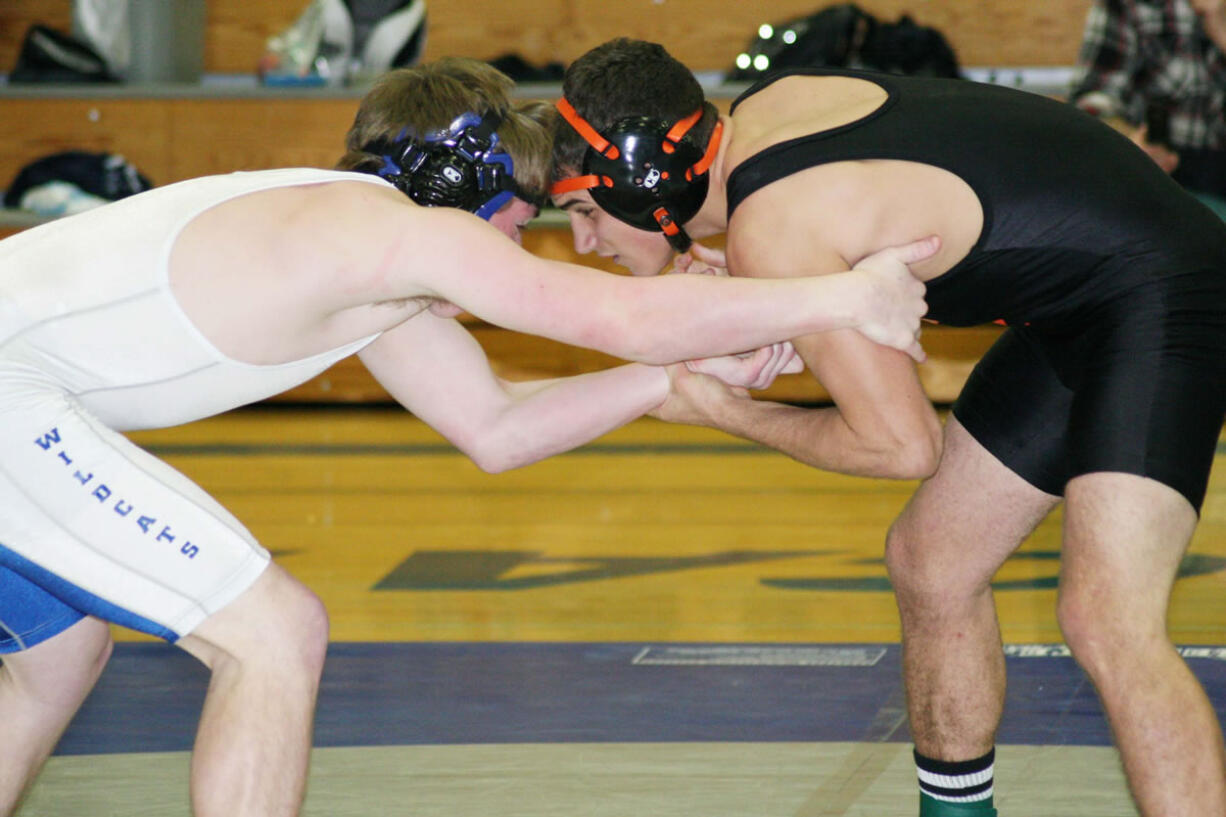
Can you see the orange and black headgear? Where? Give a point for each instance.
(647, 172)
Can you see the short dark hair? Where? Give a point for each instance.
(624, 78)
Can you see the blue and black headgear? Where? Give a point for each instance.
(462, 166)
(647, 172)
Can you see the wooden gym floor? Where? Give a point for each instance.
(668, 621)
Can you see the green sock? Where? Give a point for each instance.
(956, 788)
(932, 807)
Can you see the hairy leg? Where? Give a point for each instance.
(1124, 537)
(266, 652)
(40, 690)
(942, 552)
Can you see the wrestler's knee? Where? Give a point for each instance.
(303, 623)
(911, 561)
(301, 632)
(312, 630)
(278, 625)
(1102, 629)
(934, 582)
(899, 554)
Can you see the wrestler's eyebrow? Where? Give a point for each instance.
(569, 204)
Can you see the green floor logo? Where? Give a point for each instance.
(489, 569)
(1192, 565)
(494, 569)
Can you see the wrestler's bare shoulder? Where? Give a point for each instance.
(282, 274)
(854, 207)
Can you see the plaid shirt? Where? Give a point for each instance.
(1137, 52)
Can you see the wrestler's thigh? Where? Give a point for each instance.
(59, 672)
(1124, 537)
(1150, 413)
(965, 520)
(1151, 383)
(112, 530)
(1017, 408)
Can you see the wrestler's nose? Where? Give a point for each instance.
(584, 235)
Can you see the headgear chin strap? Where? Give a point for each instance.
(462, 166)
(644, 171)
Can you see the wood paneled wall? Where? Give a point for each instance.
(704, 34)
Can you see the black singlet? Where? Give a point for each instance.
(1113, 275)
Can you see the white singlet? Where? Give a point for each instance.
(92, 341)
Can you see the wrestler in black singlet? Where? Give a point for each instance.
(1112, 278)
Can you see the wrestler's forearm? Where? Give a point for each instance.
(819, 437)
(687, 317)
(547, 417)
(671, 318)
(438, 371)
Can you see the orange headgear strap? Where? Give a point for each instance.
(579, 183)
(585, 130)
(704, 164)
(677, 131)
(665, 220)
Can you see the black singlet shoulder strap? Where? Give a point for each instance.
(780, 160)
(801, 72)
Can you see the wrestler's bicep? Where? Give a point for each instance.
(755, 249)
(876, 389)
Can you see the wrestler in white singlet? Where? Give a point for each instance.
(92, 341)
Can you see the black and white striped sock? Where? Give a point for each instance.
(963, 782)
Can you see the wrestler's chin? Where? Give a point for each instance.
(644, 267)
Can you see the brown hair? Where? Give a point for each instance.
(624, 78)
(428, 97)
